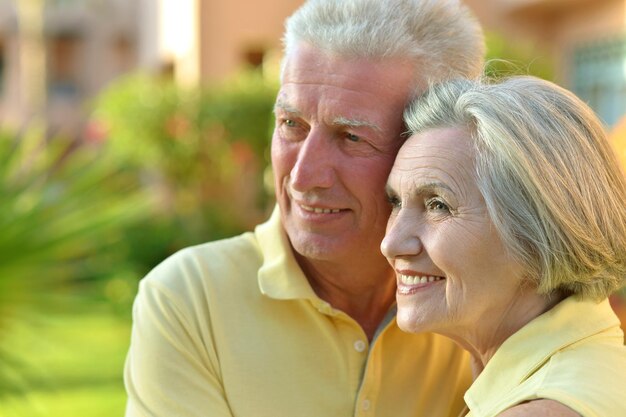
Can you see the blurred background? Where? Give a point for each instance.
(132, 128)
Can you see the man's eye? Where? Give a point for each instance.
(292, 130)
(352, 138)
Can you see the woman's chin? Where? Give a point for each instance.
(412, 323)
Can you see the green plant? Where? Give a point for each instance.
(203, 151)
(63, 212)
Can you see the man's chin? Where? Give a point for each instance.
(317, 248)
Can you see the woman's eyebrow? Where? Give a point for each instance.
(422, 188)
(433, 186)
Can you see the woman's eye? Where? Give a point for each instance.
(394, 201)
(437, 205)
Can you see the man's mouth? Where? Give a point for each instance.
(318, 209)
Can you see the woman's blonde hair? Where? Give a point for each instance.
(551, 182)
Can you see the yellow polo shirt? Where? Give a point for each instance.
(573, 354)
(233, 328)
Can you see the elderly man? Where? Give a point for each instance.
(297, 318)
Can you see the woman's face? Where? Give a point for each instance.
(453, 272)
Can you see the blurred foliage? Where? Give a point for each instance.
(63, 213)
(505, 58)
(203, 152)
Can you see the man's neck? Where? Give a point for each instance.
(362, 290)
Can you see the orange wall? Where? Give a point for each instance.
(228, 29)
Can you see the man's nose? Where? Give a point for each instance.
(314, 167)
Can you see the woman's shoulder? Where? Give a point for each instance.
(588, 376)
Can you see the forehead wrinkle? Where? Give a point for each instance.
(411, 180)
(414, 181)
(445, 163)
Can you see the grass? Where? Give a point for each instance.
(66, 365)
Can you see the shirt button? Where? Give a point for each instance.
(359, 346)
(366, 405)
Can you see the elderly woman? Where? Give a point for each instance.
(507, 234)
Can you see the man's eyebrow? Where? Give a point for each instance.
(283, 105)
(338, 121)
(343, 121)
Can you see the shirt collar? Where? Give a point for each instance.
(280, 276)
(529, 348)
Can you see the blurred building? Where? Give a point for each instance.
(56, 55)
(584, 39)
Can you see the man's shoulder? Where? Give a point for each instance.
(230, 248)
(201, 267)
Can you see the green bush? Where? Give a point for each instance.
(202, 152)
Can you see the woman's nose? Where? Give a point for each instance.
(401, 239)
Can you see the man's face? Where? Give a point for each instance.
(338, 128)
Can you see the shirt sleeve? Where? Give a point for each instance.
(169, 371)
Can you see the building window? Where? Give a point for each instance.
(123, 53)
(599, 77)
(253, 57)
(63, 65)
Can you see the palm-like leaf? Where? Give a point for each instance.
(62, 214)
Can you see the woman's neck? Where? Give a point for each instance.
(484, 339)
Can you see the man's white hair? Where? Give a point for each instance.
(441, 37)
